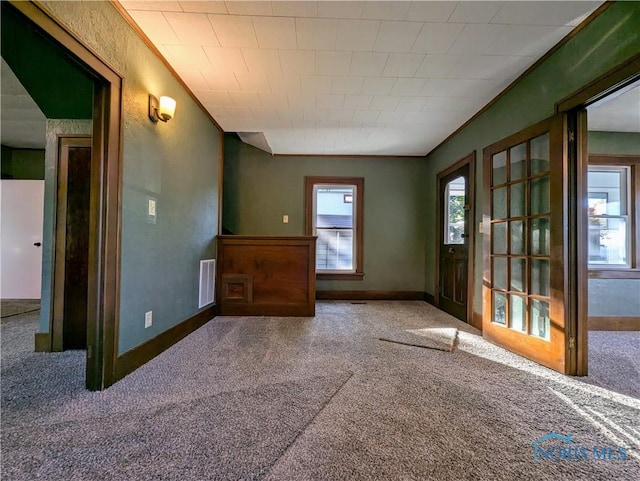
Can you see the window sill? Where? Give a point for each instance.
(613, 273)
(336, 276)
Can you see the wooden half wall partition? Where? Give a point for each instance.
(266, 276)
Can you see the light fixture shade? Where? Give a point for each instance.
(164, 109)
(167, 108)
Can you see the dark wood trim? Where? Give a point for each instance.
(614, 273)
(42, 342)
(477, 320)
(470, 160)
(614, 159)
(136, 357)
(429, 298)
(617, 78)
(56, 322)
(370, 295)
(155, 50)
(539, 62)
(606, 323)
(105, 202)
(309, 182)
(220, 180)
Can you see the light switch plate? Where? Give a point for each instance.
(148, 319)
(285, 219)
(152, 207)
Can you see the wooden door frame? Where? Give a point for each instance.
(469, 160)
(59, 244)
(574, 107)
(104, 204)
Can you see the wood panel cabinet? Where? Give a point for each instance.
(266, 276)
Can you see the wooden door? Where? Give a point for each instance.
(525, 244)
(72, 244)
(455, 204)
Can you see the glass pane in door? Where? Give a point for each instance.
(455, 201)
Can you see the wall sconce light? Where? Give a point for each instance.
(163, 110)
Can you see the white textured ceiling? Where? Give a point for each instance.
(337, 77)
(618, 112)
(23, 123)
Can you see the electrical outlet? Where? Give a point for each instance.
(152, 207)
(148, 319)
(285, 219)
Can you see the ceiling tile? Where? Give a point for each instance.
(297, 101)
(194, 80)
(402, 64)
(475, 12)
(366, 117)
(187, 57)
(262, 60)
(315, 84)
(367, 64)
(284, 83)
(340, 9)
(411, 104)
(226, 59)
(357, 35)
(408, 87)
(220, 80)
(253, 82)
(396, 36)
(249, 8)
(421, 11)
(275, 32)
(542, 13)
(298, 61)
(155, 26)
(377, 86)
(437, 66)
(234, 31)
(201, 6)
(390, 117)
(385, 102)
(294, 9)
(192, 28)
(316, 33)
(161, 5)
(332, 62)
(488, 67)
(274, 100)
(245, 99)
(340, 115)
(347, 85)
(357, 102)
(475, 38)
(462, 88)
(454, 104)
(437, 37)
(213, 99)
(329, 101)
(385, 10)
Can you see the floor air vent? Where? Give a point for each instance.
(207, 282)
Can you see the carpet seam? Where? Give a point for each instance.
(19, 313)
(293, 441)
(443, 349)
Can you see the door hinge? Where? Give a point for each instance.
(572, 136)
(572, 342)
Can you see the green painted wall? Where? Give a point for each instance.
(175, 163)
(608, 41)
(259, 188)
(627, 143)
(57, 84)
(22, 164)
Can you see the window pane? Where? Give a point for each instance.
(334, 214)
(499, 203)
(517, 311)
(540, 197)
(540, 280)
(499, 308)
(517, 237)
(499, 166)
(518, 161)
(518, 275)
(499, 237)
(608, 242)
(455, 198)
(540, 325)
(517, 202)
(540, 236)
(500, 273)
(540, 154)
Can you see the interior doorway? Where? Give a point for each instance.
(455, 239)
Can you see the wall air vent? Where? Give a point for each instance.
(207, 282)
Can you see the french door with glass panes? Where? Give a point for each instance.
(525, 238)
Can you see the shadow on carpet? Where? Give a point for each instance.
(232, 435)
(438, 338)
